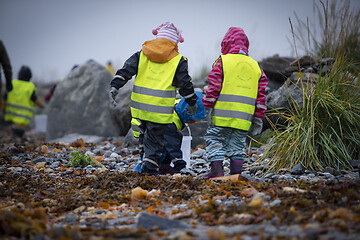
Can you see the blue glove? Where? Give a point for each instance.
(256, 126)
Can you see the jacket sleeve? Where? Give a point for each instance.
(260, 106)
(5, 63)
(182, 80)
(124, 74)
(215, 84)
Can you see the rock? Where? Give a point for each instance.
(138, 193)
(198, 153)
(283, 99)
(303, 62)
(148, 221)
(130, 140)
(80, 103)
(71, 218)
(298, 169)
(275, 203)
(121, 114)
(274, 70)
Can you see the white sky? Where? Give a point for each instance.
(50, 36)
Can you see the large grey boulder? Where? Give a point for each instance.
(288, 97)
(120, 114)
(274, 68)
(80, 103)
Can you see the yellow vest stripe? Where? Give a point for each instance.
(135, 127)
(177, 121)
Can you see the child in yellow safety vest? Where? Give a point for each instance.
(173, 137)
(160, 70)
(236, 101)
(20, 102)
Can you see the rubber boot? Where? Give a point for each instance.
(149, 168)
(178, 165)
(165, 168)
(216, 170)
(236, 166)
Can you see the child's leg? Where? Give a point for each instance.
(215, 139)
(153, 146)
(173, 140)
(215, 143)
(236, 150)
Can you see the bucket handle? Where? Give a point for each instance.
(188, 128)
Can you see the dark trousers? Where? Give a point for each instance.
(152, 139)
(173, 140)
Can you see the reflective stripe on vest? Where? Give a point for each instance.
(19, 107)
(135, 123)
(153, 96)
(176, 118)
(236, 103)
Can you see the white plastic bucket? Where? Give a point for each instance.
(186, 147)
(40, 122)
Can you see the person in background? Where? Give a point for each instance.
(159, 70)
(110, 68)
(6, 66)
(172, 152)
(20, 102)
(50, 93)
(236, 101)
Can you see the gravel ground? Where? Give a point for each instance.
(43, 197)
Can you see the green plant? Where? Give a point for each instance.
(336, 34)
(261, 140)
(81, 160)
(325, 130)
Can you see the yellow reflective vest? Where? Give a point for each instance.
(153, 96)
(235, 106)
(135, 123)
(19, 107)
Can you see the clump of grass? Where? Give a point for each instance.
(81, 160)
(325, 129)
(337, 32)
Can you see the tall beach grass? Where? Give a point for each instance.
(325, 130)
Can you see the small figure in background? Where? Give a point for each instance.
(20, 102)
(49, 94)
(110, 68)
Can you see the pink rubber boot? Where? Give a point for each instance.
(236, 166)
(216, 170)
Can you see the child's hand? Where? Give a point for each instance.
(208, 118)
(191, 110)
(112, 94)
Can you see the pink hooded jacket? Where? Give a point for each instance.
(235, 41)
